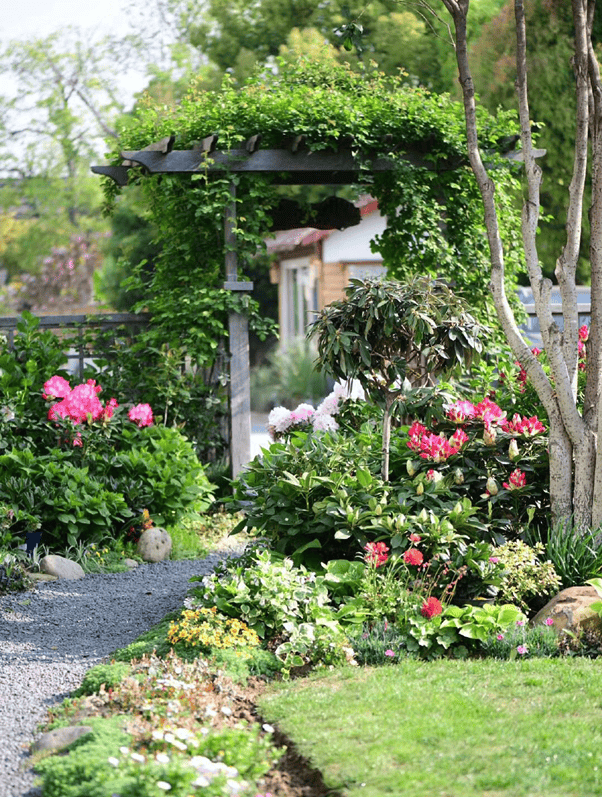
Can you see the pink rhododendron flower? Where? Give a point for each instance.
(79, 405)
(489, 412)
(302, 413)
(461, 411)
(377, 553)
(522, 649)
(56, 387)
(517, 480)
(413, 557)
(322, 422)
(141, 414)
(583, 333)
(415, 433)
(390, 653)
(458, 438)
(499, 637)
(415, 538)
(524, 426)
(431, 608)
(549, 620)
(107, 413)
(494, 560)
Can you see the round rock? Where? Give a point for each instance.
(61, 568)
(154, 545)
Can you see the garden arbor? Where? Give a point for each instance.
(407, 147)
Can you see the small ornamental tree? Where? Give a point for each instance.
(388, 335)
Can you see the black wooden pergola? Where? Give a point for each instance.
(294, 165)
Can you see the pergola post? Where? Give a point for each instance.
(238, 328)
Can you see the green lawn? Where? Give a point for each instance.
(530, 728)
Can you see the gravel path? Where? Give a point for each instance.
(51, 635)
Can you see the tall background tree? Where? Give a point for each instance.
(575, 421)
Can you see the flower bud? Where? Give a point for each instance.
(423, 517)
(489, 435)
(420, 489)
(492, 488)
(513, 451)
(410, 468)
(458, 476)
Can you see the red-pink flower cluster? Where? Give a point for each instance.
(82, 404)
(79, 405)
(435, 446)
(517, 480)
(525, 426)
(413, 557)
(377, 553)
(522, 376)
(142, 415)
(431, 608)
(486, 411)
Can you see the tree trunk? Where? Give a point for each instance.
(575, 464)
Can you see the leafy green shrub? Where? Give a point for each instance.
(66, 500)
(525, 576)
(107, 674)
(158, 469)
(280, 602)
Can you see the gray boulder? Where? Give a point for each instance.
(154, 545)
(61, 568)
(59, 738)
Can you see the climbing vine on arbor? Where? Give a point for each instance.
(434, 214)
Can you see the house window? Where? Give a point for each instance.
(299, 298)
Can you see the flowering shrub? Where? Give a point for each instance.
(94, 468)
(283, 422)
(477, 452)
(206, 629)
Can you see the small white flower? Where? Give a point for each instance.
(161, 784)
(114, 762)
(267, 728)
(201, 782)
(140, 759)
(162, 758)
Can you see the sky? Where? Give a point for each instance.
(26, 18)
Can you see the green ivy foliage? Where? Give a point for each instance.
(435, 216)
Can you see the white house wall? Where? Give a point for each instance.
(353, 244)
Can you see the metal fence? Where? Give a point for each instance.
(78, 354)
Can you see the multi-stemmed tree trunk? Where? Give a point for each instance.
(575, 456)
